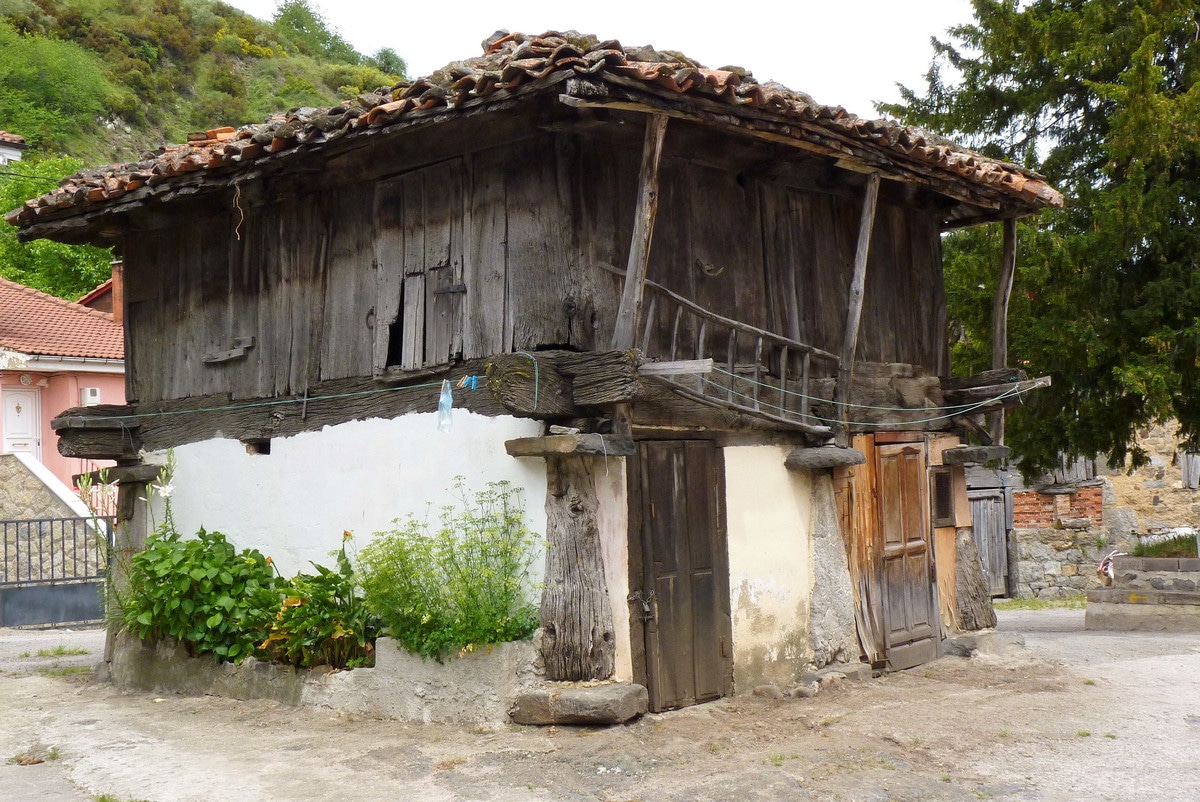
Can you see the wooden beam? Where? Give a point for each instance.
(683, 367)
(974, 455)
(578, 642)
(1008, 269)
(995, 395)
(854, 307)
(584, 444)
(624, 331)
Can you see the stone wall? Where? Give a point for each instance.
(1056, 563)
(1154, 496)
(24, 497)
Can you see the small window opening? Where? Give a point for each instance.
(258, 445)
(943, 498)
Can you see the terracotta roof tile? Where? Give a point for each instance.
(11, 139)
(35, 323)
(511, 61)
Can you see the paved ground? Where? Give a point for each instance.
(1072, 715)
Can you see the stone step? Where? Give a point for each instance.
(1156, 564)
(609, 703)
(1138, 596)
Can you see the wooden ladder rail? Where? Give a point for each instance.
(765, 344)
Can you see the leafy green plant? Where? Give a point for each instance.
(202, 592)
(461, 586)
(323, 620)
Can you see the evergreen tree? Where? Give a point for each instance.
(1103, 98)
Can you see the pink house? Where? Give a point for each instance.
(54, 355)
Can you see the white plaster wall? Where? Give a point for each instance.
(769, 511)
(613, 523)
(294, 503)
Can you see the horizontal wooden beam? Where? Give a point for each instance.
(682, 367)
(600, 445)
(974, 455)
(992, 396)
(121, 474)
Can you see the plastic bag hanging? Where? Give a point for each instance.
(445, 404)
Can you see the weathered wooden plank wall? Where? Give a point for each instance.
(500, 250)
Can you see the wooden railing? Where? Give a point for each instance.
(754, 371)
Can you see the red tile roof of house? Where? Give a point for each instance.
(12, 139)
(38, 324)
(516, 64)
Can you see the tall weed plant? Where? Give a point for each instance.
(460, 585)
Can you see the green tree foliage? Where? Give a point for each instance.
(1103, 98)
(308, 30)
(68, 271)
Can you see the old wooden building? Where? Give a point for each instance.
(717, 287)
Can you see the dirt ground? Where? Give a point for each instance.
(1071, 715)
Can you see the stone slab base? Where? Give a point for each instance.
(610, 703)
(1124, 617)
(477, 688)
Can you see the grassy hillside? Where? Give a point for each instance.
(104, 80)
(93, 81)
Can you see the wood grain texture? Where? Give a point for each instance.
(578, 642)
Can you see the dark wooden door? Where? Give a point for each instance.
(678, 532)
(991, 536)
(909, 595)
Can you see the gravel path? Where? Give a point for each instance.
(1071, 715)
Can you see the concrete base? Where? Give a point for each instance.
(477, 688)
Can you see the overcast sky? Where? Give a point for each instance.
(842, 53)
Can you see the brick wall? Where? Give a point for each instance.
(1079, 510)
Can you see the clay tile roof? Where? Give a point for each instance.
(12, 139)
(38, 324)
(515, 63)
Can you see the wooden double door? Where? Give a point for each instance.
(679, 573)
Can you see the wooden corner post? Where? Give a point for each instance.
(625, 328)
(1008, 269)
(854, 310)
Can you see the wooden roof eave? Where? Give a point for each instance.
(984, 203)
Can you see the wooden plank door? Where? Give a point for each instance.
(679, 533)
(991, 537)
(909, 594)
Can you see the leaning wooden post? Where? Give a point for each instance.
(854, 310)
(578, 641)
(1008, 269)
(624, 331)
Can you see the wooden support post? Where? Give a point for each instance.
(132, 529)
(625, 329)
(854, 309)
(1008, 269)
(578, 641)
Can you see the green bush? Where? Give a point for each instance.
(1174, 546)
(202, 592)
(462, 586)
(323, 620)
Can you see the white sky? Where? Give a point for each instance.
(842, 53)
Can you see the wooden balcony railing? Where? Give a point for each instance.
(754, 371)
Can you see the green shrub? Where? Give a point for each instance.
(462, 586)
(202, 592)
(323, 620)
(1183, 545)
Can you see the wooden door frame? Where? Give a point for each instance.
(637, 566)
